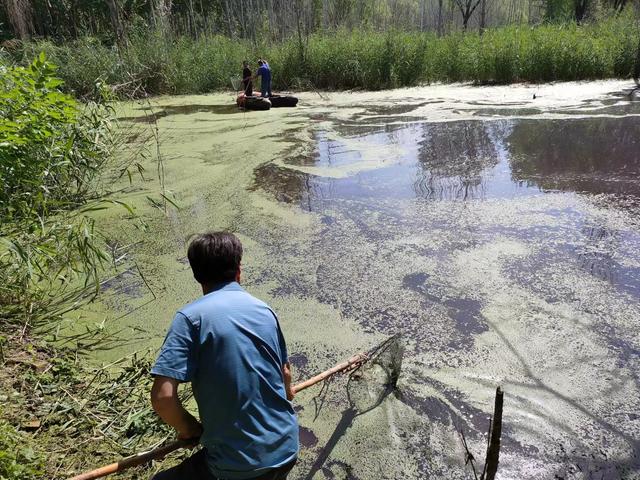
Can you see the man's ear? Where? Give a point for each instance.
(238, 273)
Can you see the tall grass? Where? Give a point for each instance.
(158, 62)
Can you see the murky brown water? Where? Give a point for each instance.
(500, 235)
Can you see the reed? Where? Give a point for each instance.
(159, 62)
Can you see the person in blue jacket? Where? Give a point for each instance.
(264, 72)
(229, 345)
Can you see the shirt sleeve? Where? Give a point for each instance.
(177, 358)
(284, 355)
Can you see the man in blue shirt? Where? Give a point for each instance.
(229, 345)
(264, 71)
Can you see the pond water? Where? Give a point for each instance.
(500, 234)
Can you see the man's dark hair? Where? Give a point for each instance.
(215, 257)
(260, 62)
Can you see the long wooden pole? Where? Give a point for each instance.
(133, 460)
(353, 362)
(161, 452)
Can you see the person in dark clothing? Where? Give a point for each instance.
(264, 72)
(246, 79)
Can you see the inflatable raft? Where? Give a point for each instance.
(254, 102)
(283, 101)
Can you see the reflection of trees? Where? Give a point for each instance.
(285, 184)
(595, 155)
(596, 255)
(454, 158)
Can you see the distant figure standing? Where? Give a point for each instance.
(264, 72)
(246, 79)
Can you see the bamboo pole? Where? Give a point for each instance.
(133, 460)
(341, 367)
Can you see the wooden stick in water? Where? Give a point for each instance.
(493, 451)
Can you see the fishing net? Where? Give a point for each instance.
(373, 379)
(236, 83)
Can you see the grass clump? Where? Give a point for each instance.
(62, 415)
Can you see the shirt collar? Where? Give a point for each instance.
(226, 286)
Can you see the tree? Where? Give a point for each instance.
(618, 5)
(466, 7)
(19, 14)
(116, 22)
(483, 15)
(580, 8)
(636, 70)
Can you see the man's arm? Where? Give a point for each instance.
(166, 403)
(286, 372)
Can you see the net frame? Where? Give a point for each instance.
(372, 380)
(236, 83)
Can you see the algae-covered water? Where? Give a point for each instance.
(500, 233)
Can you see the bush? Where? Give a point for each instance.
(51, 149)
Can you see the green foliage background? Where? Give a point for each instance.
(157, 62)
(18, 458)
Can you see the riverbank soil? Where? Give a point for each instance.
(497, 228)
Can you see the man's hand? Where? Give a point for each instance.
(166, 403)
(193, 431)
(286, 373)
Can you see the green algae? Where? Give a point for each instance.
(492, 279)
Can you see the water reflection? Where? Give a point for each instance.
(455, 159)
(592, 155)
(596, 256)
(468, 160)
(476, 160)
(471, 227)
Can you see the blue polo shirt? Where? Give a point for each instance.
(265, 73)
(228, 344)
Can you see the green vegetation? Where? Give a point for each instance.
(54, 149)
(155, 62)
(18, 459)
(56, 408)
(51, 149)
(58, 411)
